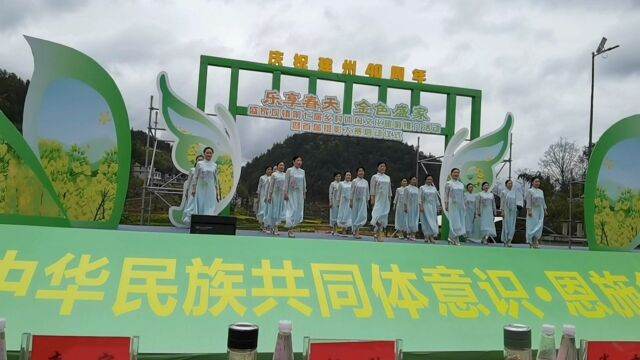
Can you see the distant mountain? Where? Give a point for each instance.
(163, 161)
(325, 154)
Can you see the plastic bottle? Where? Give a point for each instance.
(242, 341)
(284, 347)
(517, 342)
(547, 349)
(3, 341)
(568, 349)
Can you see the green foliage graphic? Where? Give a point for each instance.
(617, 221)
(88, 195)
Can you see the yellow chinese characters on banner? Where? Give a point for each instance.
(349, 67)
(217, 287)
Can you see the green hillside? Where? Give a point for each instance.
(325, 154)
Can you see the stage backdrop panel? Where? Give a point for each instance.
(612, 193)
(70, 166)
(179, 292)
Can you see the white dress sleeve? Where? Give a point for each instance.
(196, 175)
(372, 186)
(447, 190)
(271, 185)
(395, 198)
(332, 190)
(287, 178)
(366, 190)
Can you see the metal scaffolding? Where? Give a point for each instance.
(150, 187)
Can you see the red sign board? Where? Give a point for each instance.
(613, 350)
(360, 350)
(80, 348)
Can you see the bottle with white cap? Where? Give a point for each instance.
(547, 349)
(3, 341)
(284, 346)
(568, 349)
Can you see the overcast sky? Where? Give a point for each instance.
(528, 57)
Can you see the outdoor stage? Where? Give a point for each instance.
(327, 236)
(178, 291)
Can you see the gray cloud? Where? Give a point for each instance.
(530, 57)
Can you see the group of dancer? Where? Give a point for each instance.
(281, 199)
(203, 187)
(471, 212)
(348, 201)
(281, 196)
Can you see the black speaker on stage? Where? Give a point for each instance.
(209, 224)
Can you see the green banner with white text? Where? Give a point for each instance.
(179, 292)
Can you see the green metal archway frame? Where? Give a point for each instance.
(313, 76)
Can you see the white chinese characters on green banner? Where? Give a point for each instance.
(309, 113)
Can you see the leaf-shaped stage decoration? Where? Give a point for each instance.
(478, 159)
(26, 194)
(195, 130)
(76, 123)
(612, 192)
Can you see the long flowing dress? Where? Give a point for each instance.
(360, 198)
(276, 209)
(470, 210)
(509, 207)
(344, 210)
(454, 195)
(266, 214)
(399, 202)
(429, 202)
(334, 200)
(262, 196)
(535, 223)
(412, 198)
(380, 187)
(487, 209)
(296, 187)
(189, 207)
(205, 185)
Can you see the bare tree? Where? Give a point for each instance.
(561, 161)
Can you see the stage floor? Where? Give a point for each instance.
(325, 236)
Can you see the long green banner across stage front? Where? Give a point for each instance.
(179, 292)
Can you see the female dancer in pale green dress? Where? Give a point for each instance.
(509, 208)
(359, 200)
(344, 209)
(334, 202)
(454, 205)
(295, 192)
(276, 209)
(206, 187)
(399, 205)
(536, 210)
(412, 203)
(262, 196)
(487, 213)
(380, 193)
(189, 207)
(470, 211)
(429, 202)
